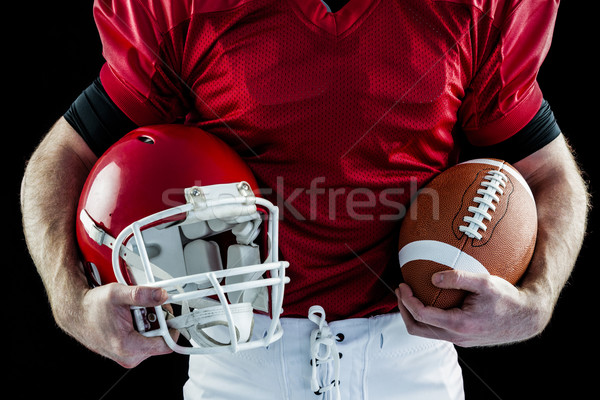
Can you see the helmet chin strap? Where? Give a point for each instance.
(210, 326)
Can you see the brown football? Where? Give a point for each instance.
(476, 216)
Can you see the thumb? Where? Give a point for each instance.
(142, 296)
(456, 279)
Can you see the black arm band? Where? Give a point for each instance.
(97, 119)
(541, 130)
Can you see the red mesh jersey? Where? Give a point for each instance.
(340, 116)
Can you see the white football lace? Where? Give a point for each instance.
(493, 184)
(323, 352)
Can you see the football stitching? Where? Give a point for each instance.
(498, 217)
(493, 184)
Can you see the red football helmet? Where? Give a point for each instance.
(172, 206)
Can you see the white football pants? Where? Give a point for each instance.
(369, 359)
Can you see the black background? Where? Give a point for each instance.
(52, 52)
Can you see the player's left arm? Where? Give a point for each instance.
(497, 312)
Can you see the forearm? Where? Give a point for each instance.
(49, 193)
(562, 205)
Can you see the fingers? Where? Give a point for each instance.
(480, 320)
(141, 296)
(123, 343)
(422, 318)
(455, 279)
(431, 322)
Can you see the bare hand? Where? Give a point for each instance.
(494, 312)
(105, 324)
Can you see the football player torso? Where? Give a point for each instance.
(340, 116)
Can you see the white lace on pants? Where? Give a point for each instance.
(323, 355)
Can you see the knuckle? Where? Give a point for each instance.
(136, 294)
(124, 355)
(411, 328)
(139, 296)
(128, 363)
(487, 284)
(417, 315)
(112, 292)
(455, 278)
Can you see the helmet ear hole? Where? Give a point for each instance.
(145, 139)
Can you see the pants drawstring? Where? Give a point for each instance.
(323, 352)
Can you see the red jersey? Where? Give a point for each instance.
(341, 116)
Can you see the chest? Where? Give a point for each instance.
(379, 80)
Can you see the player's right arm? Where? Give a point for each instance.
(99, 318)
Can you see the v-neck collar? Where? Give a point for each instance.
(334, 23)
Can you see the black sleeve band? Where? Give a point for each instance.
(541, 130)
(97, 119)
